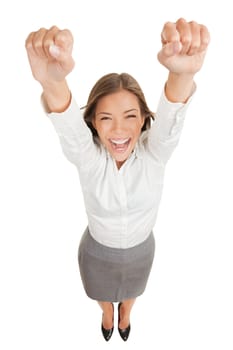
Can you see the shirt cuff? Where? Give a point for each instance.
(170, 115)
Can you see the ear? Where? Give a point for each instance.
(93, 123)
(143, 120)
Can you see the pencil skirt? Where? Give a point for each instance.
(112, 274)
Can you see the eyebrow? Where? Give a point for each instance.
(104, 113)
(129, 110)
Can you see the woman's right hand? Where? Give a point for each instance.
(50, 54)
(50, 57)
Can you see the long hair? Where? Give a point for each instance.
(109, 84)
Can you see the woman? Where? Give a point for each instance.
(120, 157)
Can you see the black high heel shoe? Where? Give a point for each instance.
(124, 333)
(107, 333)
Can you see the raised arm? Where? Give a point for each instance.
(50, 57)
(184, 46)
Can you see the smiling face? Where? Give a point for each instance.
(118, 122)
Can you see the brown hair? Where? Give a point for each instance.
(109, 84)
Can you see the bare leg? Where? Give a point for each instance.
(107, 314)
(125, 310)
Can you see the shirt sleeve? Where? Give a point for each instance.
(75, 137)
(165, 132)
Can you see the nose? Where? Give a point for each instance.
(118, 126)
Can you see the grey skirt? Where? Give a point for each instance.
(112, 274)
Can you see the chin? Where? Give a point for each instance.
(121, 158)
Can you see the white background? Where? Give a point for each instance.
(188, 302)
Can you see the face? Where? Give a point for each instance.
(118, 122)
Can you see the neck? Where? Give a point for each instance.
(119, 164)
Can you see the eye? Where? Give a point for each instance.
(105, 118)
(131, 116)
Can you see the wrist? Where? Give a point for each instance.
(56, 96)
(179, 87)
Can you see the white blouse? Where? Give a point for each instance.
(121, 205)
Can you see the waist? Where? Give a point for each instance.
(124, 231)
(99, 250)
(121, 239)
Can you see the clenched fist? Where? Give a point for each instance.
(184, 46)
(50, 57)
(50, 54)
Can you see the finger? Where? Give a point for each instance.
(37, 42)
(184, 30)
(169, 33)
(64, 41)
(196, 38)
(62, 49)
(28, 42)
(29, 46)
(204, 38)
(49, 39)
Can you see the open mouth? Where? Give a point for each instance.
(120, 145)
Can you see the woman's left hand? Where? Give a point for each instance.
(184, 46)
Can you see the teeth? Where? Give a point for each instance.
(119, 142)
